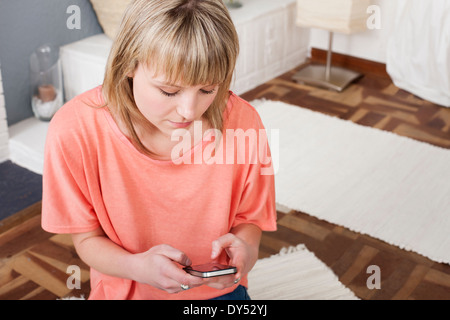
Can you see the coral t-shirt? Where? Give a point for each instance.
(95, 177)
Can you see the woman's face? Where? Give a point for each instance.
(170, 106)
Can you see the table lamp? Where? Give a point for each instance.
(344, 16)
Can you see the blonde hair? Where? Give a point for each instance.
(193, 42)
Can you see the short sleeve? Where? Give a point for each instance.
(66, 203)
(257, 203)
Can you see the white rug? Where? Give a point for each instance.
(374, 182)
(295, 274)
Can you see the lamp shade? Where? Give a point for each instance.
(345, 16)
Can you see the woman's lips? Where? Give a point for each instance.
(180, 124)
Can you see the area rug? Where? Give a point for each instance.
(295, 274)
(371, 181)
(19, 188)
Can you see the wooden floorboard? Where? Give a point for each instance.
(33, 263)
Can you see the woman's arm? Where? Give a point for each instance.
(100, 253)
(157, 266)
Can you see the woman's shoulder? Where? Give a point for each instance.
(83, 105)
(241, 113)
(78, 114)
(242, 104)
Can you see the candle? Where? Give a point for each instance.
(47, 93)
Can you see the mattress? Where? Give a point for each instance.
(270, 44)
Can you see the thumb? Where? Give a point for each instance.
(225, 241)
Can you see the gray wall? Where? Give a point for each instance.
(24, 26)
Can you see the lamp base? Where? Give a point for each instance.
(315, 75)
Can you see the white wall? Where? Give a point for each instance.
(4, 153)
(370, 45)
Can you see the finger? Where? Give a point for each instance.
(191, 281)
(238, 274)
(182, 277)
(172, 277)
(174, 254)
(225, 241)
(221, 282)
(172, 286)
(175, 272)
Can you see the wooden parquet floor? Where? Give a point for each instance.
(33, 263)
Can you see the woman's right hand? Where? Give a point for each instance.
(158, 268)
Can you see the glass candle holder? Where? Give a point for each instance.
(46, 82)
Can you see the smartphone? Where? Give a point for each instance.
(210, 270)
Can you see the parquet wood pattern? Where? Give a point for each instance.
(33, 263)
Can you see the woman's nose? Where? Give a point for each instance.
(187, 108)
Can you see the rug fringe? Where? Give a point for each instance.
(256, 103)
(291, 249)
(73, 298)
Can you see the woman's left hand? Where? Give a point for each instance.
(242, 255)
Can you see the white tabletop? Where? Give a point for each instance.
(252, 9)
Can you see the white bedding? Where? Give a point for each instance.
(418, 55)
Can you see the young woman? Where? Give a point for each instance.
(111, 178)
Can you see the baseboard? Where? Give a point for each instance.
(350, 62)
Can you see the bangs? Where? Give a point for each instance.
(191, 51)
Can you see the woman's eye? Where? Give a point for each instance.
(173, 94)
(208, 91)
(168, 94)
